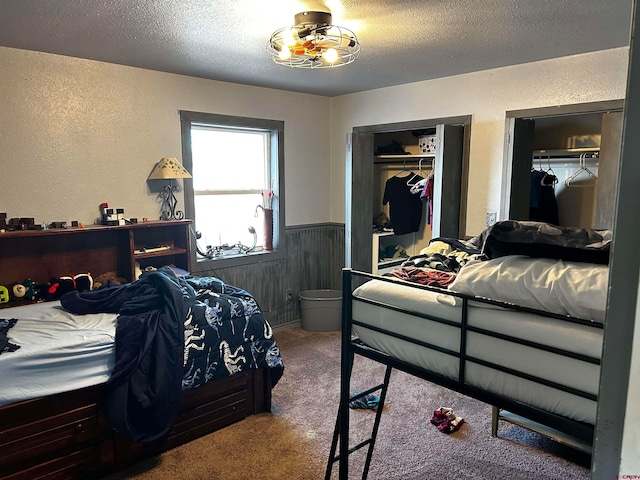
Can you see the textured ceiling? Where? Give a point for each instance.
(402, 41)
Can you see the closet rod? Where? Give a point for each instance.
(408, 161)
(542, 162)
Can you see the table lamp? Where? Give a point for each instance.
(169, 169)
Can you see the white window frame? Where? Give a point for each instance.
(275, 128)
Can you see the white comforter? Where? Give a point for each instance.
(59, 351)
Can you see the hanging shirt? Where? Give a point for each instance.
(427, 196)
(405, 208)
(543, 205)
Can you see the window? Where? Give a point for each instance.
(236, 164)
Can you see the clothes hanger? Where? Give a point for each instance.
(413, 177)
(591, 180)
(404, 169)
(533, 163)
(410, 177)
(419, 186)
(549, 179)
(420, 165)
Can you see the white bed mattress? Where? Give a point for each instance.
(59, 351)
(545, 330)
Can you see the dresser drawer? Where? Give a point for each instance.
(87, 463)
(41, 437)
(57, 434)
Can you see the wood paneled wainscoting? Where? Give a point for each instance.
(315, 257)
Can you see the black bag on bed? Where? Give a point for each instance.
(544, 240)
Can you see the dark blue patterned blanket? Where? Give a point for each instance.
(226, 333)
(174, 333)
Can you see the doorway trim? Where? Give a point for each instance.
(512, 116)
(570, 109)
(359, 184)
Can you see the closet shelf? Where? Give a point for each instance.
(163, 252)
(391, 262)
(402, 158)
(567, 152)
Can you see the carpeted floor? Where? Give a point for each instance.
(292, 442)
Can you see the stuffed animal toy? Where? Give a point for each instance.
(30, 290)
(108, 278)
(19, 291)
(61, 285)
(4, 294)
(84, 282)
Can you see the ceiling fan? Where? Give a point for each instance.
(313, 42)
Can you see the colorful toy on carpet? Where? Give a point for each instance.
(445, 419)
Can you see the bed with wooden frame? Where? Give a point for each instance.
(535, 360)
(65, 435)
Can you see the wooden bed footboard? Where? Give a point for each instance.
(65, 436)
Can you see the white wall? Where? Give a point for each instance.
(75, 133)
(487, 96)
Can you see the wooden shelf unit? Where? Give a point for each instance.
(174, 235)
(43, 254)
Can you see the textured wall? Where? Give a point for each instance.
(75, 133)
(487, 96)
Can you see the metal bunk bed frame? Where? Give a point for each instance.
(565, 430)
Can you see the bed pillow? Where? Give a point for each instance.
(558, 286)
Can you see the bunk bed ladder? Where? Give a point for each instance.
(345, 451)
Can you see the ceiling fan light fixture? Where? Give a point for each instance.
(313, 42)
(330, 55)
(284, 54)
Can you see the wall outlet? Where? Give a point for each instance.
(491, 218)
(289, 295)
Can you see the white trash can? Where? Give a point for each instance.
(321, 310)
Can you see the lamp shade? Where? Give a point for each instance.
(168, 168)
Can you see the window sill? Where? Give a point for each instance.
(203, 264)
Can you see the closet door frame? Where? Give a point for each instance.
(454, 136)
(518, 150)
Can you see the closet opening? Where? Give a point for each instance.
(562, 164)
(389, 215)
